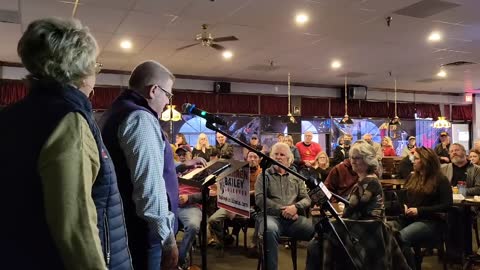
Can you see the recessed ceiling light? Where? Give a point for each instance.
(301, 18)
(442, 73)
(126, 44)
(435, 36)
(227, 54)
(336, 64)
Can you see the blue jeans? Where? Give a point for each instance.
(419, 232)
(154, 254)
(300, 229)
(190, 218)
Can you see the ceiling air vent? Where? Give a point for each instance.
(426, 8)
(458, 63)
(9, 16)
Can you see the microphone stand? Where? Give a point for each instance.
(266, 161)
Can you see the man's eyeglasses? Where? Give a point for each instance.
(98, 67)
(168, 94)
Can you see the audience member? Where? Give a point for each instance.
(224, 149)
(60, 193)
(320, 169)
(202, 148)
(411, 145)
(280, 137)
(296, 155)
(255, 144)
(286, 195)
(387, 147)
(308, 149)
(426, 194)
(405, 169)
(342, 178)
(442, 149)
(462, 170)
(145, 166)
(378, 148)
(341, 151)
(180, 140)
(474, 156)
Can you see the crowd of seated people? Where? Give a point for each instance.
(122, 178)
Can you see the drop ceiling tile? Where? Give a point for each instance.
(100, 19)
(161, 6)
(143, 24)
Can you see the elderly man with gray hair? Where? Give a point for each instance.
(145, 166)
(287, 197)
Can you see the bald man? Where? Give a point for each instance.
(308, 149)
(145, 167)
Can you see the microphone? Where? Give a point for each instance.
(192, 109)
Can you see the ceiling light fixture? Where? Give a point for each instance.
(126, 44)
(442, 73)
(301, 18)
(290, 116)
(227, 54)
(396, 120)
(336, 64)
(435, 36)
(442, 122)
(346, 119)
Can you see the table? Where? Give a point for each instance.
(396, 183)
(467, 203)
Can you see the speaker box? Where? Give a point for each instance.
(221, 87)
(355, 92)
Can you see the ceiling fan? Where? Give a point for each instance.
(206, 39)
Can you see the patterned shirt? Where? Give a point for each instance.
(140, 138)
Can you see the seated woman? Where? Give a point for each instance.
(387, 147)
(319, 170)
(474, 156)
(366, 198)
(427, 193)
(203, 148)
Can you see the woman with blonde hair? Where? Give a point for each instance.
(387, 147)
(202, 148)
(296, 155)
(320, 168)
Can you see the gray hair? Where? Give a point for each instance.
(367, 152)
(58, 49)
(149, 73)
(282, 145)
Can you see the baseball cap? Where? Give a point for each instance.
(443, 133)
(411, 138)
(184, 148)
(254, 136)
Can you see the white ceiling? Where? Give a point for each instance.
(354, 31)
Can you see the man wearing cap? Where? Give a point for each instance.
(254, 143)
(442, 149)
(411, 145)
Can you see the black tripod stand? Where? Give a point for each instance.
(321, 196)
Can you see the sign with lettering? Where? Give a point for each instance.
(233, 192)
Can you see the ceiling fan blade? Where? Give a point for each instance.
(188, 46)
(217, 47)
(222, 39)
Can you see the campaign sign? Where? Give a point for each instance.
(233, 192)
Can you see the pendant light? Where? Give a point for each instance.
(291, 118)
(442, 122)
(346, 119)
(396, 120)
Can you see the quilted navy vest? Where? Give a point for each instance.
(138, 230)
(26, 126)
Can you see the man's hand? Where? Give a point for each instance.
(170, 258)
(412, 212)
(446, 159)
(289, 212)
(182, 199)
(198, 161)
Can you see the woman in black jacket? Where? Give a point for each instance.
(427, 193)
